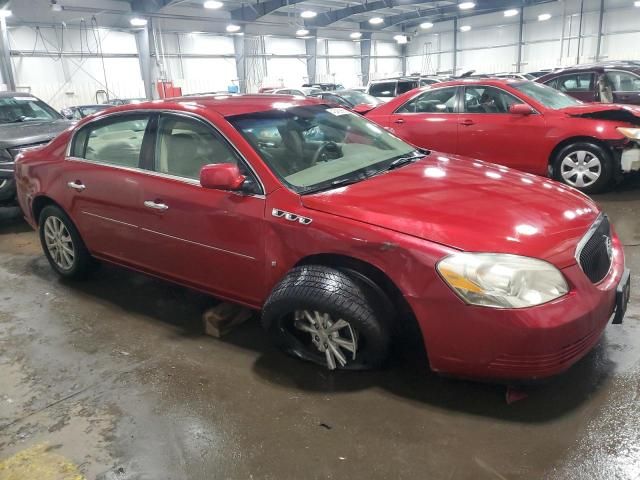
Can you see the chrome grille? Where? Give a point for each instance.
(594, 253)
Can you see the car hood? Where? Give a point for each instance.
(468, 205)
(26, 133)
(605, 111)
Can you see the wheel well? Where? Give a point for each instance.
(38, 205)
(569, 141)
(407, 328)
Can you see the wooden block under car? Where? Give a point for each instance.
(222, 318)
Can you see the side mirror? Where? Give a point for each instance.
(363, 108)
(520, 109)
(221, 176)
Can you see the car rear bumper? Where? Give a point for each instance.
(520, 344)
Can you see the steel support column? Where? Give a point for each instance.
(6, 69)
(144, 57)
(311, 49)
(365, 57)
(580, 32)
(599, 44)
(455, 47)
(241, 62)
(520, 33)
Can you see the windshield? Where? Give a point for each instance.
(316, 147)
(356, 98)
(547, 96)
(25, 109)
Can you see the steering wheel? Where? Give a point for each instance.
(323, 150)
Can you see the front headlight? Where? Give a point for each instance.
(502, 280)
(632, 133)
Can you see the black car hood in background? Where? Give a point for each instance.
(27, 133)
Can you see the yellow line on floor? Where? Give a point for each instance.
(38, 462)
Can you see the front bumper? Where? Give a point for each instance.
(520, 344)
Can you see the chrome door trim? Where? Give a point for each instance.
(84, 212)
(198, 244)
(150, 111)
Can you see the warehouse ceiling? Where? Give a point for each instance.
(336, 15)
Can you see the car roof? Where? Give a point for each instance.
(8, 94)
(225, 105)
(492, 81)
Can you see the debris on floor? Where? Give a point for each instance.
(223, 318)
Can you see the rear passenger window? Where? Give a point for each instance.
(185, 145)
(116, 141)
(383, 89)
(440, 100)
(577, 82)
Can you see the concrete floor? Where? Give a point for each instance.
(111, 379)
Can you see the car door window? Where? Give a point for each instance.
(383, 89)
(115, 141)
(483, 99)
(185, 145)
(577, 82)
(623, 81)
(405, 86)
(441, 100)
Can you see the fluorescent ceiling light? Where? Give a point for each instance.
(302, 32)
(376, 20)
(544, 16)
(308, 14)
(465, 28)
(212, 4)
(511, 13)
(426, 25)
(233, 28)
(5, 13)
(355, 35)
(138, 22)
(636, 3)
(466, 5)
(401, 39)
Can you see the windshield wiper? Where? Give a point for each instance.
(399, 162)
(335, 184)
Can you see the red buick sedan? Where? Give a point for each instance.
(338, 231)
(520, 124)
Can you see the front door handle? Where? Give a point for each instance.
(77, 186)
(399, 121)
(467, 122)
(155, 205)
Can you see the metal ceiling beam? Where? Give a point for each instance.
(149, 6)
(327, 18)
(252, 12)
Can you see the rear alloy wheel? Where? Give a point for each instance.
(584, 166)
(327, 317)
(62, 244)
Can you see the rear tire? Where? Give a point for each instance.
(62, 244)
(322, 315)
(585, 166)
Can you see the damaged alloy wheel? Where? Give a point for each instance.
(325, 316)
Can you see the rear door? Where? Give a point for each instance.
(210, 239)
(102, 181)
(429, 120)
(489, 132)
(625, 86)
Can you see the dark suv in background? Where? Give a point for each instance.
(26, 122)
(390, 88)
(611, 82)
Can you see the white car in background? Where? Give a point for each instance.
(299, 91)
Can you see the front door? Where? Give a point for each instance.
(488, 131)
(428, 120)
(209, 239)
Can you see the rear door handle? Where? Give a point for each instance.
(399, 121)
(77, 185)
(155, 205)
(467, 122)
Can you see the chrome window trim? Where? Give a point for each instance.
(150, 111)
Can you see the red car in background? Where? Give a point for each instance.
(520, 124)
(341, 233)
